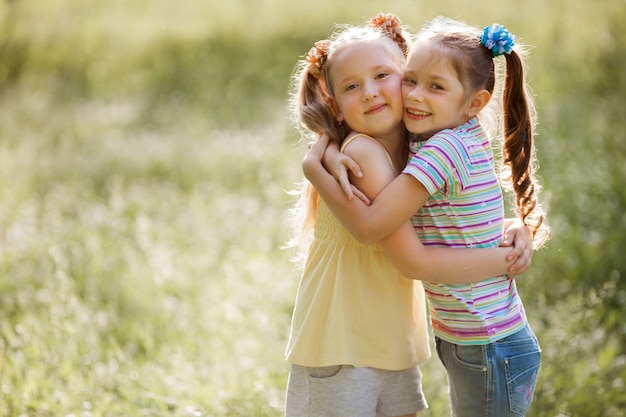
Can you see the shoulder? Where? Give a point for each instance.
(447, 138)
(463, 136)
(363, 148)
(442, 151)
(373, 160)
(440, 148)
(356, 141)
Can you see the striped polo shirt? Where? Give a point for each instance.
(465, 209)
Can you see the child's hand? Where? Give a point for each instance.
(520, 237)
(339, 165)
(316, 151)
(312, 164)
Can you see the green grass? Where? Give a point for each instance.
(145, 158)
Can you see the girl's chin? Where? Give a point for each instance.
(422, 134)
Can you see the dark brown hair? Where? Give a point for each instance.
(475, 66)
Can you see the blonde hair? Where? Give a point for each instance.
(310, 107)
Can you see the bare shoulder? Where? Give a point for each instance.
(373, 161)
(363, 148)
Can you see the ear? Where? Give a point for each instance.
(335, 108)
(478, 101)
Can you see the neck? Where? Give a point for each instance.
(395, 142)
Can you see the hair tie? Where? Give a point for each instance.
(392, 26)
(317, 58)
(497, 39)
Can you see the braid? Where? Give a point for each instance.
(471, 54)
(518, 142)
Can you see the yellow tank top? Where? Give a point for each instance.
(353, 307)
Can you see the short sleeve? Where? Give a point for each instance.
(440, 164)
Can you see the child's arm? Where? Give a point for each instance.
(340, 165)
(369, 224)
(516, 234)
(403, 248)
(443, 265)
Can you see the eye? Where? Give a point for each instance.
(381, 75)
(436, 86)
(409, 81)
(350, 87)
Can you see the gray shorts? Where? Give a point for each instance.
(346, 391)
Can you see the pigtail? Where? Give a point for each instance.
(518, 128)
(312, 113)
(518, 151)
(392, 26)
(314, 116)
(313, 106)
(317, 116)
(518, 137)
(315, 111)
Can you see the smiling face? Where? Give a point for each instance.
(434, 97)
(365, 80)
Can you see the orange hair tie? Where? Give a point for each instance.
(317, 58)
(392, 25)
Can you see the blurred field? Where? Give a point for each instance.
(145, 155)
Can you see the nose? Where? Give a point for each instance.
(415, 94)
(370, 91)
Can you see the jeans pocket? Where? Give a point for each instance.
(470, 357)
(521, 376)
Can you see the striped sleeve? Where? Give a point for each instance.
(440, 164)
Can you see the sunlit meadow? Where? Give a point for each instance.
(146, 156)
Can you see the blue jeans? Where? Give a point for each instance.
(494, 380)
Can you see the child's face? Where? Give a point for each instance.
(366, 85)
(433, 94)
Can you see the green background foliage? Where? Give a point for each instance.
(145, 155)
